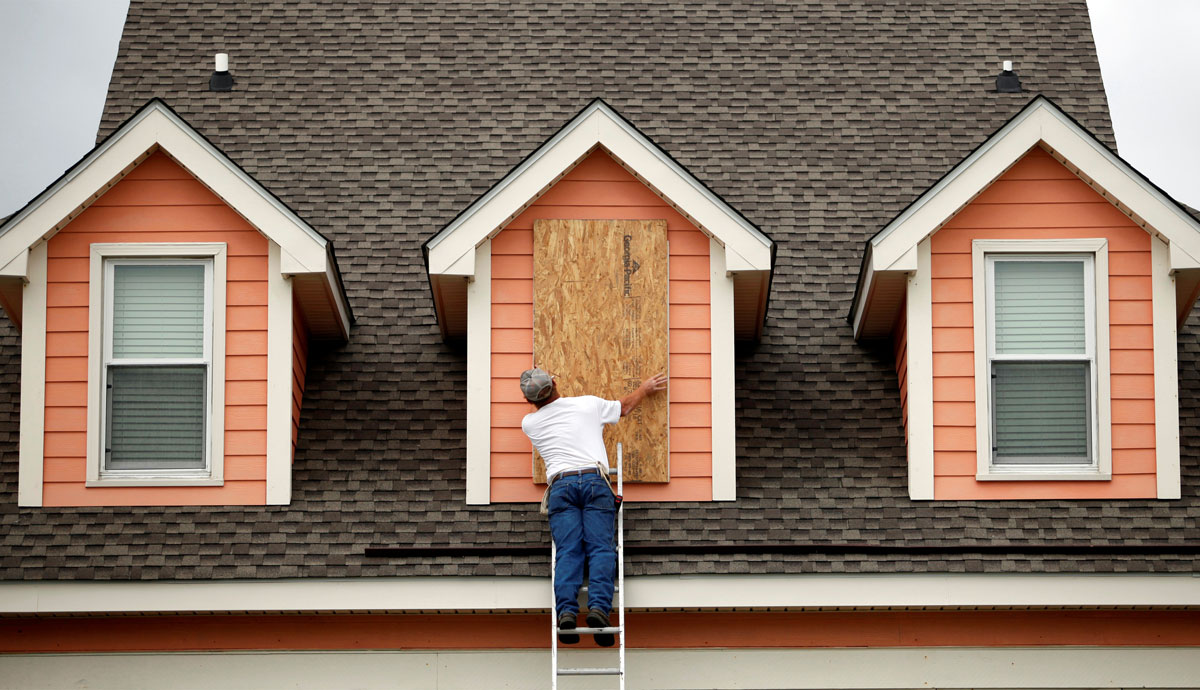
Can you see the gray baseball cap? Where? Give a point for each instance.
(536, 384)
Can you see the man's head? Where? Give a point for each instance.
(537, 386)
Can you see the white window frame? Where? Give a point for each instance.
(102, 260)
(1094, 253)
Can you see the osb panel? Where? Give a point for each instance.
(600, 325)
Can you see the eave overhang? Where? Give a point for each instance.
(306, 256)
(890, 256)
(450, 254)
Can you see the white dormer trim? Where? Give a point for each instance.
(1040, 123)
(154, 127)
(451, 251)
(450, 254)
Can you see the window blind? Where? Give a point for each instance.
(158, 311)
(1041, 412)
(156, 417)
(1040, 307)
(156, 413)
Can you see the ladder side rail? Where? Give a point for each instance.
(621, 567)
(553, 619)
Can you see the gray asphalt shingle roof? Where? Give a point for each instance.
(378, 122)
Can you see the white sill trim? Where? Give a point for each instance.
(506, 594)
(998, 475)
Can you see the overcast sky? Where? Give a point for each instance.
(56, 57)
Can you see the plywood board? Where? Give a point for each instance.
(600, 325)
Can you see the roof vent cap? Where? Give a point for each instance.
(1008, 81)
(221, 79)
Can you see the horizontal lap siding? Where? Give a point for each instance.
(157, 202)
(900, 350)
(299, 368)
(1038, 198)
(599, 188)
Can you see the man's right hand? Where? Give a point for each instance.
(654, 384)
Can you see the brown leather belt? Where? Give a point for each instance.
(572, 473)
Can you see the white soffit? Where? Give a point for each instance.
(1041, 122)
(451, 251)
(153, 127)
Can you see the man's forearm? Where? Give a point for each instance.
(649, 387)
(629, 402)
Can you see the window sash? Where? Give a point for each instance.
(1048, 461)
(109, 361)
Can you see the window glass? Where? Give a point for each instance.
(156, 417)
(1041, 412)
(1041, 361)
(158, 311)
(156, 366)
(1040, 307)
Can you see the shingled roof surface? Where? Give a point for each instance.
(378, 122)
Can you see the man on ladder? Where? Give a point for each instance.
(568, 433)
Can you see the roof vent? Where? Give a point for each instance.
(221, 79)
(1008, 81)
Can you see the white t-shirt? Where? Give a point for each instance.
(569, 432)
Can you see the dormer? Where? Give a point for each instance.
(1032, 296)
(166, 303)
(601, 257)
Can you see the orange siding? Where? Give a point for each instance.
(157, 202)
(299, 369)
(1038, 198)
(678, 630)
(900, 348)
(599, 188)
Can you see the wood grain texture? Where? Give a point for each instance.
(600, 325)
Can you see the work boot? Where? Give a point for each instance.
(599, 619)
(566, 621)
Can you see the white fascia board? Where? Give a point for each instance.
(599, 124)
(1042, 122)
(900, 591)
(957, 188)
(154, 125)
(864, 293)
(687, 194)
(502, 201)
(18, 267)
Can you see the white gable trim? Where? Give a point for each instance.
(157, 126)
(1040, 123)
(451, 250)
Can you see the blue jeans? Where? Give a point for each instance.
(582, 511)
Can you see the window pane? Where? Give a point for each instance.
(1039, 307)
(1041, 412)
(158, 311)
(156, 417)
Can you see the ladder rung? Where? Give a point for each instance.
(589, 671)
(597, 631)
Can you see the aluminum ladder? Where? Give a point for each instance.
(619, 599)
